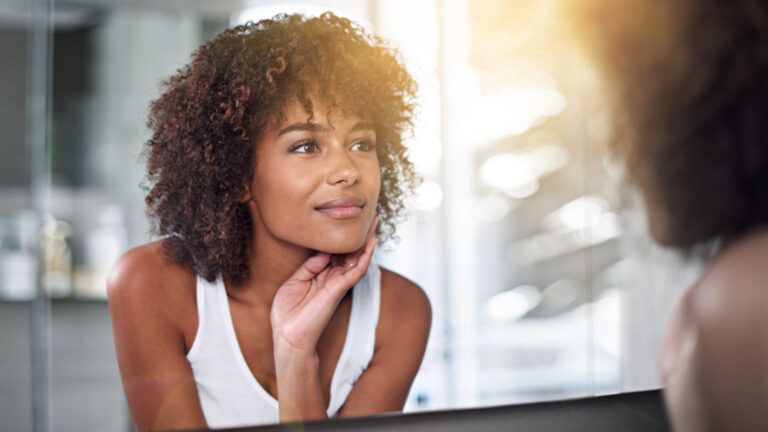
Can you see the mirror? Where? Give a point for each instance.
(533, 251)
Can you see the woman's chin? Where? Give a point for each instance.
(340, 246)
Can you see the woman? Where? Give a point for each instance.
(690, 77)
(274, 153)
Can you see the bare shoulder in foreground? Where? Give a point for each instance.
(730, 314)
(153, 311)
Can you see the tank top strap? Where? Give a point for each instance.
(361, 337)
(203, 298)
(212, 316)
(369, 297)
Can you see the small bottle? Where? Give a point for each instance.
(18, 265)
(103, 246)
(57, 259)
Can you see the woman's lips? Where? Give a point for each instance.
(341, 212)
(342, 208)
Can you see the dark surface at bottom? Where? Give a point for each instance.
(627, 412)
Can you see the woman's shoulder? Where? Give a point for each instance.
(730, 301)
(399, 291)
(145, 279)
(737, 277)
(404, 306)
(730, 319)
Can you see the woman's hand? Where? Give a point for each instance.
(304, 304)
(301, 309)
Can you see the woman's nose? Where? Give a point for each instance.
(341, 167)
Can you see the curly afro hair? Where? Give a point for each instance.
(205, 125)
(692, 118)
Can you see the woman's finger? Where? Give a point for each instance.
(354, 273)
(350, 260)
(323, 276)
(311, 267)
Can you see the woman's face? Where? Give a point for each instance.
(316, 184)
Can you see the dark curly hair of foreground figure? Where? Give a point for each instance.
(692, 84)
(205, 125)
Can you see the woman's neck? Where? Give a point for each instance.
(272, 262)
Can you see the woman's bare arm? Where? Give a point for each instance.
(145, 302)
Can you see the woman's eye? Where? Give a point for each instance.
(364, 146)
(305, 147)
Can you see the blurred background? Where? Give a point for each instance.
(532, 248)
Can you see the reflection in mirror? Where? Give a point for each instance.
(534, 255)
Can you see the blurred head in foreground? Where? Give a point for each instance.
(690, 80)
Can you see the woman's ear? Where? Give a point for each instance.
(246, 195)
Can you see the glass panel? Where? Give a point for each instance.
(24, 191)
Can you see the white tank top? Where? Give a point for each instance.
(229, 393)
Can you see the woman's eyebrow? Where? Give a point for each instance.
(314, 127)
(362, 126)
(303, 126)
